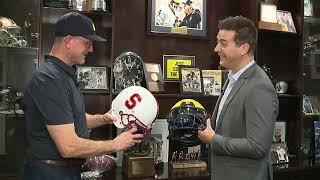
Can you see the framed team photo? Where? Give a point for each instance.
(177, 18)
(93, 78)
(190, 80)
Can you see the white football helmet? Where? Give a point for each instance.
(135, 107)
(10, 33)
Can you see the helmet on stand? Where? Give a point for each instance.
(135, 107)
(10, 33)
(185, 118)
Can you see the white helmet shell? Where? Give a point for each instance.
(134, 104)
(282, 87)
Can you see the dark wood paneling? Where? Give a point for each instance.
(129, 29)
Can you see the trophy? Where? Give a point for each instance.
(185, 118)
(138, 161)
(129, 108)
(181, 160)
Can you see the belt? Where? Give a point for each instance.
(61, 163)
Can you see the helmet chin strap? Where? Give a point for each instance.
(130, 121)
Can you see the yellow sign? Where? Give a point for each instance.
(171, 65)
(173, 69)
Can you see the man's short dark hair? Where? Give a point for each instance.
(245, 30)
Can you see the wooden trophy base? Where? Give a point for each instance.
(135, 166)
(185, 165)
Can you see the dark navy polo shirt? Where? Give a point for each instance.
(52, 97)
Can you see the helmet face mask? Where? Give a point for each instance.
(10, 33)
(185, 118)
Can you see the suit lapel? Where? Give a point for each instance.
(215, 111)
(242, 80)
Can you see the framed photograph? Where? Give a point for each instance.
(176, 18)
(93, 78)
(171, 65)
(190, 80)
(307, 106)
(279, 132)
(285, 19)
(279, 153)
(160, 133)
(212, 81)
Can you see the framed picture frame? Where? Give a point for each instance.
(212, 82)
(279, 153)
(171, 65)
(307, 106)
(285, 19)
(279, 132)
(190, 80)
(93, 79)
(160, 131)
(177, 18)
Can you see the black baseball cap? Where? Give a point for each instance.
(188, 2)
(76, 24)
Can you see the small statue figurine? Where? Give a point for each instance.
(174, 156)
(181, 158)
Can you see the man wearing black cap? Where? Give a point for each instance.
(56, 122)
(192, 18)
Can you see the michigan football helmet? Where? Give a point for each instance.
(185, 118)
(10, 33)
(135, 107)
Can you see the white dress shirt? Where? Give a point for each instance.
(233, 77)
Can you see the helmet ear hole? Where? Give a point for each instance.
(184, 120)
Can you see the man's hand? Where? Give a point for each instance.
(108, 118)
(127, 139)
(207, 134)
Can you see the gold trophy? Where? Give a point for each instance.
(139, 161)
(135, 107)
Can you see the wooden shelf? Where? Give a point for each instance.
(82, 12)
(183, 96)
(279, 33)
(289, 96)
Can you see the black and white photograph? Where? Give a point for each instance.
(92, 77)
(279, 153)
(190, 80)
(212, 80)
